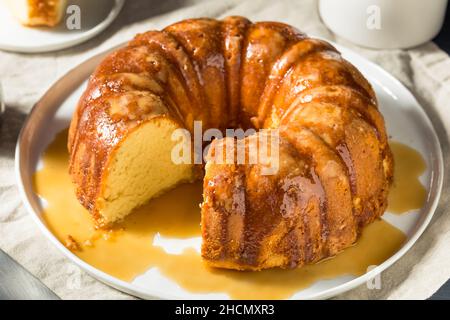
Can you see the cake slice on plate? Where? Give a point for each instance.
(35, 13)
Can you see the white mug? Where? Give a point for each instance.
(384, 24)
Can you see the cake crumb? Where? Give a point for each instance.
(72, 244)
(88, 243)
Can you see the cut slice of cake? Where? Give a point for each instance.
(35, 13)
(141, 168)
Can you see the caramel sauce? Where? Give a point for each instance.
(128, 250)
(407, 192)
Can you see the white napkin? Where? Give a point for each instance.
(425, 70)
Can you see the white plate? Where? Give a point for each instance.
(95, 17)
(405, 119)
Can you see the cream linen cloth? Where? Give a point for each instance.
(425, 70)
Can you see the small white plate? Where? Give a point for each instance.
(406, 122)
(95, 17)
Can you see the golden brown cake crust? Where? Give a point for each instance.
(336, 165)
(44, 12)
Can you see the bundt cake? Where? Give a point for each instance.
(335, 165)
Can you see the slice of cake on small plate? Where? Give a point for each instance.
(34, 13)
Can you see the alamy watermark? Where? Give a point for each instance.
(373, 283)
(373, 21)
(237, 146)
(73, 19)
(74, 275)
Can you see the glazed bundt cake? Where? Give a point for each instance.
(335, 165)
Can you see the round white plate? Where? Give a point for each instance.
(95, 16)
(405, 119)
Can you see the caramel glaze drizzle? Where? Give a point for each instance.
(407, 192)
